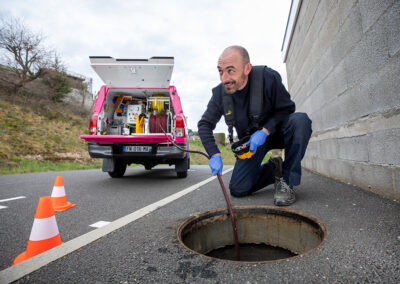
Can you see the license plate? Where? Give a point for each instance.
(141, 149)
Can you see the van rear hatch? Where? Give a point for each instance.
(152, 74)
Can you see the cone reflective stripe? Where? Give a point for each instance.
(44, 229)
(44, 234)
(58, 196)
(58, 191)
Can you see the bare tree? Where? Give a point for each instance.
(25, 52)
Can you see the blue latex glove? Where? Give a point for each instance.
(215, 164)
(257, 139)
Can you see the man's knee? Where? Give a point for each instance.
(299, 125)
(240, 190)
(301, 120)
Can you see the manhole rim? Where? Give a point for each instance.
(220, 211)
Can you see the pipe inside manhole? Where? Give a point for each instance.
(265, 233)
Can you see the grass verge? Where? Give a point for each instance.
(26, 165)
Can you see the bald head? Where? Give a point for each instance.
(241, 51)
(234, 68)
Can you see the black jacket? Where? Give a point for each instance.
(277, 106)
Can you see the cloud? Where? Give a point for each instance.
(194, 32)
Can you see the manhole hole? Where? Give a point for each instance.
(265, 233)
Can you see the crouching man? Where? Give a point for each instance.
(254, 101)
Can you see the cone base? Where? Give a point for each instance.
(64, 207)
(20, 258)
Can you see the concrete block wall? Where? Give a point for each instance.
(343, 69)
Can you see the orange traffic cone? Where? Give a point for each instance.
(58, 196)
(44, 234)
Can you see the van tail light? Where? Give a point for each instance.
(93, 125)
(179, 127)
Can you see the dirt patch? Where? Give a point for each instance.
(81, 157)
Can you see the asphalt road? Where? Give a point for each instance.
(98, 198)
(363, 243)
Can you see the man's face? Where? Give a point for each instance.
(233, 72)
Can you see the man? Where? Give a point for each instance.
(277, 126)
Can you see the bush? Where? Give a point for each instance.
(59, 84)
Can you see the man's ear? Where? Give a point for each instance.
(247, 68)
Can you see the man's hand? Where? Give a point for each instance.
(258, 139)
(215, 164)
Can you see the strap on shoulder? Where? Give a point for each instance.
(256, 95)
(229, 115)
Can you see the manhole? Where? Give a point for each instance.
(265, 233)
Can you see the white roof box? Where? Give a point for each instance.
(152, 73)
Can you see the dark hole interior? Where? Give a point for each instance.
(251, 252)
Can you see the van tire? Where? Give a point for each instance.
(182, 166)
(181, 174)
(119, 170)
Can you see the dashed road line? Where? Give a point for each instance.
(99, 224)
(13, 198)
(3, 207)
(22, 269)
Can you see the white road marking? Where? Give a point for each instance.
(2, 207)
(99, 224)
(18, 271)
(13, 198)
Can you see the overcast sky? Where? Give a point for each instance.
(193, 31)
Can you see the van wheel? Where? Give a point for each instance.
(119, 170)
(181, 174)
(181, 167)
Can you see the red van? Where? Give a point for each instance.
(132, 111)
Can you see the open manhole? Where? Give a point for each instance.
(265, 233)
